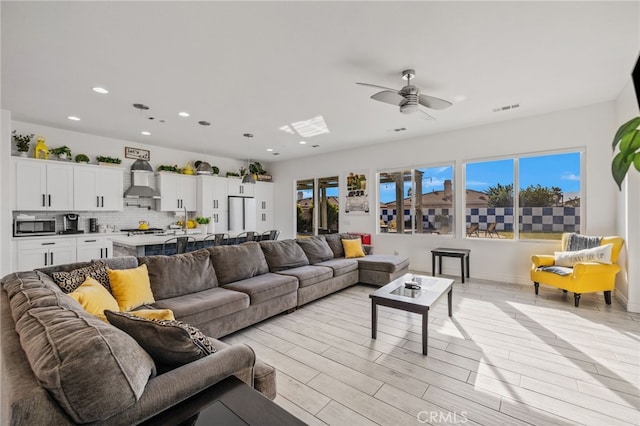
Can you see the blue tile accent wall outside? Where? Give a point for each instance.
(532, 219)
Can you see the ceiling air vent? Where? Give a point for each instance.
(506, 107)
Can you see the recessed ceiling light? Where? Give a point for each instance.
(100, 90)
(144, 132)
(302, 142)
(73, 118)
(183, 114)
(269, 149)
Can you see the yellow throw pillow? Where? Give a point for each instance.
(131, 287)
(94, 298)
(352, 248)
(158, 314)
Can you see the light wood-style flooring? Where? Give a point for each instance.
(506, 357)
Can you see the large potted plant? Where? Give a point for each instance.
(628, 138)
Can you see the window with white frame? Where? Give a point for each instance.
(417, 201)
(547, 189)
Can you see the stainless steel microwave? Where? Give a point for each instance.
(30, 227)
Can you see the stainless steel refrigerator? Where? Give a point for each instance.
(242, 214)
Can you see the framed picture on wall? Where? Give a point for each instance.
(137, 153)
(357, 194)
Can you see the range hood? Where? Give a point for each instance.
(140, 188)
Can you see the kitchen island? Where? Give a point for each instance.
(150, 244)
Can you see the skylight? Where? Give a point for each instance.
(307, 128)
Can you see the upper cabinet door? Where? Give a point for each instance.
(237, 188)
(98, 188)
(110, 188)
(30, 185)
(212, 195)
(43, 185)
(264, 196)
(178, 192)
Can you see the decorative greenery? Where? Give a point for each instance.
(22, 141)
(243, 171)
(165, 168)
(61, 151)
(203, 220)
(232, 174)
(628, 136)
(104, 159)
(82, 158)
(215, 170)
(257, 169)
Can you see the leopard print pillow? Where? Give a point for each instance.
(69, 281)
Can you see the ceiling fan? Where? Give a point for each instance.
(409, 97)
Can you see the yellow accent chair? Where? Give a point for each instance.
(584, 277)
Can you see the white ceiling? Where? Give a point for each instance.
(257, 66)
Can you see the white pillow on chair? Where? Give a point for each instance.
(601, 254)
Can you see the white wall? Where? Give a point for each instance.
(628, 202)
(5, 192)
(589, 128)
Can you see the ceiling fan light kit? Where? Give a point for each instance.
(409, 98)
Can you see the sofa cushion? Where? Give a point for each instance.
(235, 263)
(94, 298)
(169, 342)
(265, 287)
(71, 280)
(285, 254)
(78, 358)
(382, 262)
(120, 262)
(316, 249)
(206, 305)
(131, 287)
(310, 274)
(172, 276)
(340, 266)
(159, 314)
(352, 248)
(335, 242)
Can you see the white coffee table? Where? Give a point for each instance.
(395, 295)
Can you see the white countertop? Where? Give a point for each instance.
(149, 240)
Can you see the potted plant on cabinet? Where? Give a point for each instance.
(22, 142)
(62, 152)
(102, 160)
(82, 158)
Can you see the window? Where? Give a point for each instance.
(489, 199)
(305, 223)
(548, 195)
(324, 219)
(429, 211)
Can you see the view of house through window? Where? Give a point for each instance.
(417, 201)
(304, 207)
(548, 197)
(326, 199)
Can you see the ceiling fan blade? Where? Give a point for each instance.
(432, 102)
(390, 97)
(376, 86)
(426, 115)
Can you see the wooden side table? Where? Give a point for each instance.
(463, 254)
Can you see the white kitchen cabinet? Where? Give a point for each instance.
(237, 188)
(91, 247)
(42, 252)
(42, 185)
(98, 188)
(264, 206)
(220, 222)
(177, 191)
(212, 195)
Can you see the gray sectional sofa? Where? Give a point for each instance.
(61, 365)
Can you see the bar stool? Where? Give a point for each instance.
(183, 244)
